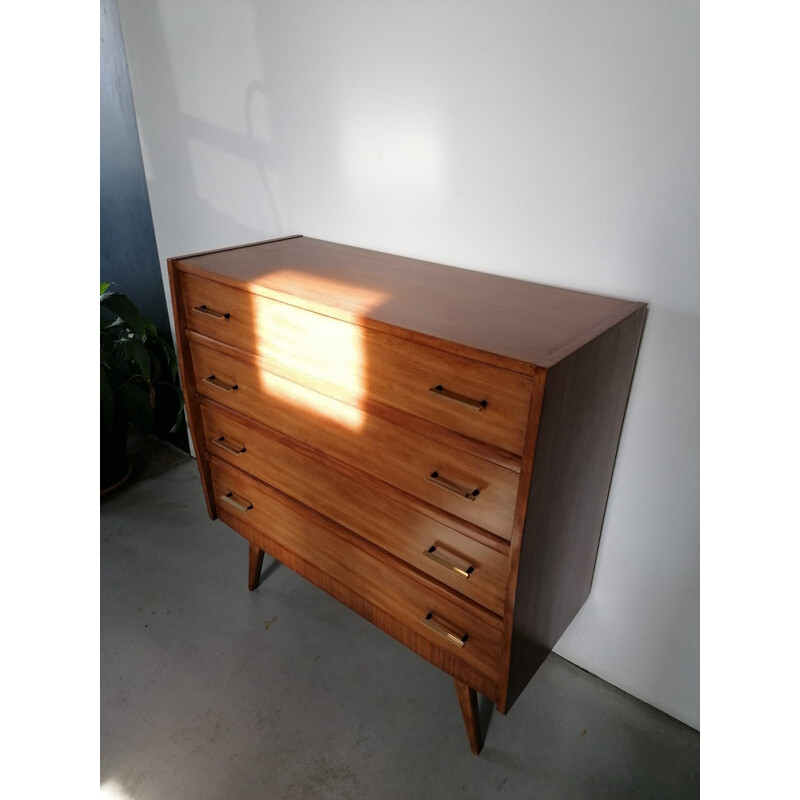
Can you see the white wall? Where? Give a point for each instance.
(551, 141)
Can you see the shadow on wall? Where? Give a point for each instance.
(178, 135)
(670, 437)
(220, 183)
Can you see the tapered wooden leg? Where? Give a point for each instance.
(468, 700)
(255, 562)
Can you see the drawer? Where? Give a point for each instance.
(430, 611)
(471, 568)
(476, 399)
(460, 483)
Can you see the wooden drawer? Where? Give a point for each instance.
(386, 451)
(413, 601)
(474, 570)
(478, 400)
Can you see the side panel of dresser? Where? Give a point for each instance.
(584, 404)
(188, 383)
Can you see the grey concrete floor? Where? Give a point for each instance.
(211, 691)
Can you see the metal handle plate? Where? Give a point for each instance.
(215, 381)
(433, 555)
(210, 312)
(458, 639)
(445, 483)
(231, 448)
(475, 405)
(239, 503)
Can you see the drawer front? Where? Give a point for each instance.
(484, 402)
(460, 483)
(467, 566)
(332, 550)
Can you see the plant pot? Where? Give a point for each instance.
(115, 466)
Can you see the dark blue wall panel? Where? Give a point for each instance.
(128, 254)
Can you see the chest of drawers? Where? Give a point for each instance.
(430, 445)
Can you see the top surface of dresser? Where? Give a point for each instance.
(520, 322)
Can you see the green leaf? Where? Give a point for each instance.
(172, 359)
(138, 406)
(135, 352)
(120, 305)
(106, 341)
(106, 348)
(181, 405)
(156, 363)
(105, 360)
(106, 401)
(162, 357)
(104, 287)
(178, 421)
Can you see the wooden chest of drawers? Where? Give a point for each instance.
(430, 445)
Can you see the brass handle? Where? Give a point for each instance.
(226, 387)
(475, 405)
(211, 313)
(462, 572)
(231, 448)
(458, 639)
(240, 505)
(444, 483)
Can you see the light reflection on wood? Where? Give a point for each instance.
(329, 349)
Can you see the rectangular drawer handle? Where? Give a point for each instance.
(475, 405)
(204, 309)
(239, 504)
(442, 561)
(215, 381)
(443, 483)
(231, 448)
(458, 639)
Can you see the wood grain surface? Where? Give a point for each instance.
(382, 581)
(300, 344)
(468, 702)
(519, 323)
(420, 644)
(392, 454)
(383, 520)
(584, 406)
(188, 382)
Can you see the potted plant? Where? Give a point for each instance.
(138, 375)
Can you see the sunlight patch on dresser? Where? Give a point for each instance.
(328, 350)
